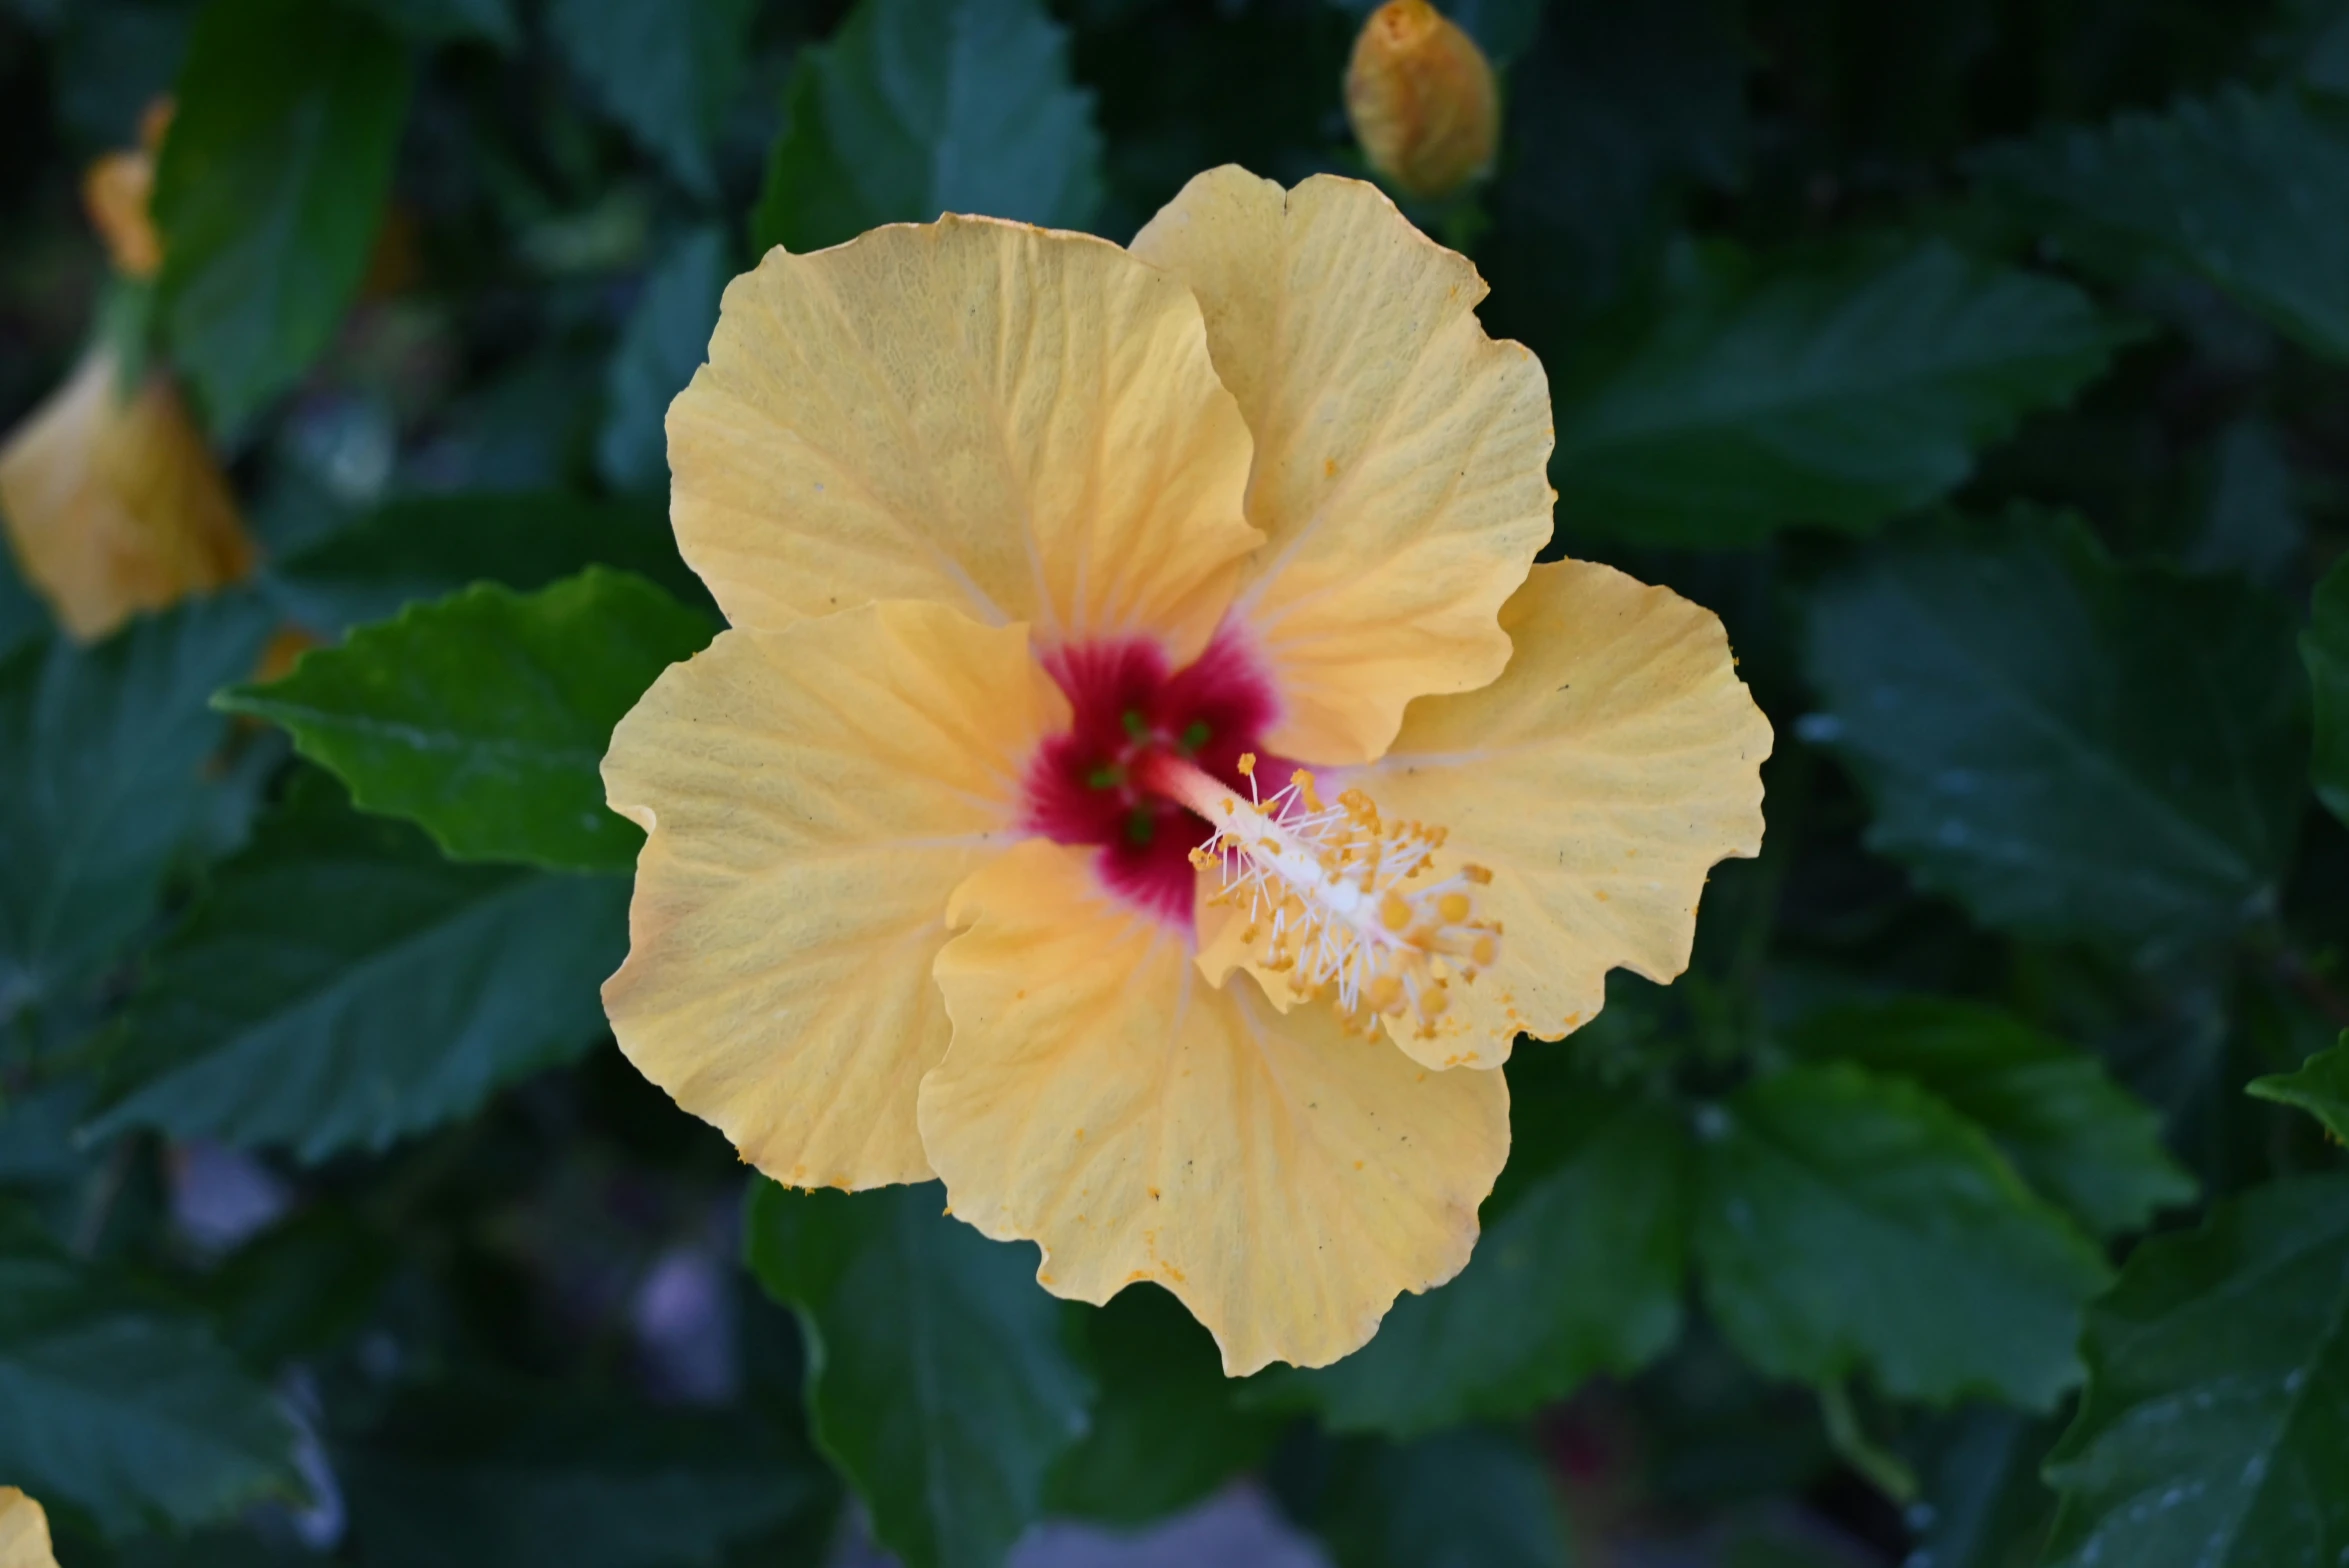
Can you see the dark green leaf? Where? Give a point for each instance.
(448, 21)
(1850, 1222)
(2251, 523)
(666, 69)
(301, 1288)
(918, 107)
(126, 1410)
(427, 547)
(1580, 1274)
(2073, 1133)
(1463, 1498)
(2324, 647)
(2072, 749)
(2242, 188)
(37, 1144)
(1165, 1431)
(938, 1382)
(271, 190)
(1503, 29)
(2215, 1430)
(343, 986)
(520, 1480)
(2326, 67)
(485, 716)
(99, 753)
(1614, 110)
(1838, 396)
(665, 341)
(23, 618)
(2320, 1087)
(1983, 1504)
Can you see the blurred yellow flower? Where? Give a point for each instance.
(113, 503)
(117, 190)
(1039, 555)
(110, 499)
(1422, 100)
(24, 1532)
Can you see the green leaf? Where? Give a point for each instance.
(2324, 647)
(1579, 1274)
(343, 986)
(1503, 29)
(1851, 1222)
(2070, 748)
(485, 716)
(450, 21)
(2241, 188)
(2074, 1134)
(665, 69)
(938, 1382)
(1984, 1503)
(99, 755)
(1836, 396)
(271, 189)
(526, 1479)
(2320, 1087)
(1610, 114)
(427, 547)
(2215, 1430)
(665, 341)
(1464, 1497)
(1166, 1431)
(918, 107)
(301, 1288)
(2251, 522)
(125, 1409)
(23, 618)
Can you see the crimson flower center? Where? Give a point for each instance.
(1087, 785)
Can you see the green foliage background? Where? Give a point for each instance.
(1982, 362)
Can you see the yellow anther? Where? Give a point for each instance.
(1352, 908)
(1247, 764)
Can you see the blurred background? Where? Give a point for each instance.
(1978, 361)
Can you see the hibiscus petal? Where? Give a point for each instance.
(1021, 423)
(1100, 1098)
(1599, 779)
(1402, 457)
(813, 796)
(24, 1532)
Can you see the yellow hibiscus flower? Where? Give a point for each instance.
(24, 1532)
(110, 501)
(1050, 821)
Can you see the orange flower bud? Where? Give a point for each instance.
(113, 504)
(117, 190)
(1422, 100)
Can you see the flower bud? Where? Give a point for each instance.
(1422, 100)
(117, 191)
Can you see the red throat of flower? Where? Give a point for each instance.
(1090, 785)
(1158, 770)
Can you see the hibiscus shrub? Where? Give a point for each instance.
(1954, 1177)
